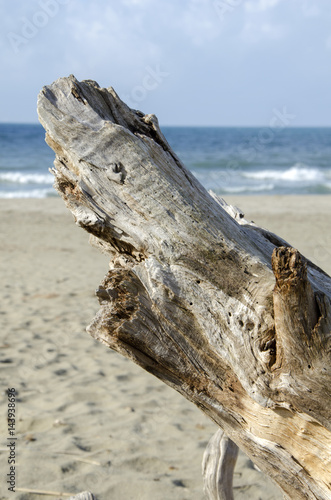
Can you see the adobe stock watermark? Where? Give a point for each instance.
(152, 79)
(322, 249)
(251, 148)
(31, 27)
(280, 119)
(224, 7)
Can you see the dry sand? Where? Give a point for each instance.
(88, 419)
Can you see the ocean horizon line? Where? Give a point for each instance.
(229, 160)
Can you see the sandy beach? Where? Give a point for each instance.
(86, 418)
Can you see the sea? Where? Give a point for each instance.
(228, 160)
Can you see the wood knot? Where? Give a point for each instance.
(116, 172)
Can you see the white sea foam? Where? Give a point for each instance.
(33, 193)
(22, 178)
(299, 172)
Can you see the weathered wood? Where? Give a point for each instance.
(191, 295)
(218, 465)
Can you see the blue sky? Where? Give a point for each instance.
(191, 62)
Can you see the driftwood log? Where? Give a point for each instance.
(225, 312)
(218, 465)
(85, 495)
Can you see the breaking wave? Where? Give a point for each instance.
(298, 173)
(23, 178)
(32, 193)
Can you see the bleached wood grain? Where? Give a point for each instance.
(218, 465)
(223, 311)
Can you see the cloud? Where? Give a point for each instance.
(112, 42)
(310, 9)
(264, 21)
(136, 3)
(254, 32)
(260, 5)
(186, 44)
(197, 22)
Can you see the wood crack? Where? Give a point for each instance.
(226, 313)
